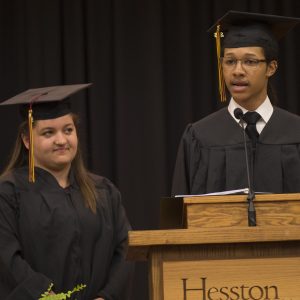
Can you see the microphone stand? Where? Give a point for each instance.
(251, 194)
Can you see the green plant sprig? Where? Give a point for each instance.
(61, 296)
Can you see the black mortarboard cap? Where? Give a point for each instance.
(47, 102)
(43, 104)
(242, 29)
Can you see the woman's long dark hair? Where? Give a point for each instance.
(19, 158)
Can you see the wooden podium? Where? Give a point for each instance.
(216, 256)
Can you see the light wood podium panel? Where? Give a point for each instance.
(208, 261)
(231, 210)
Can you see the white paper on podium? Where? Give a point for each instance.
(231, 192)
(244, 191)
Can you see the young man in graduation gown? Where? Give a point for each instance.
(211, 155)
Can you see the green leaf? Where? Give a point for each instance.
(61, 296)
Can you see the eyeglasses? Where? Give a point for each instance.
(247, 63)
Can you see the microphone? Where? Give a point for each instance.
(238, 113)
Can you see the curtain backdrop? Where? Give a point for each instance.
(153, 68)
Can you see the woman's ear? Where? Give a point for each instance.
(272, 67)
(25, 139)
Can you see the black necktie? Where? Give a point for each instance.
(251, 118)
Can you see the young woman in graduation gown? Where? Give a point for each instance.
(68, 227)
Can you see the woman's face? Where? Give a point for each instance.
(54, 142)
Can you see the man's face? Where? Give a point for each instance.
(246, 75)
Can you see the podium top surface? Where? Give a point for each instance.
(240, 198)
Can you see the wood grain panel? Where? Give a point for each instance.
(141, 242)
(269, 278)
(235, 214)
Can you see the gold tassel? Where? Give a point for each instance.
(31, 157)
(222, 91)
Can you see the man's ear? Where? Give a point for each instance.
(272, 67)
(25, 139)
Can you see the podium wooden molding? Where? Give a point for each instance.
(208, 260)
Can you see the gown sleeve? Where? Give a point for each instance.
(180, 184)
(17, 279)
(120, 276)
(187, 162)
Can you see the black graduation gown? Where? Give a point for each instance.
(48, 235)
(211, 156)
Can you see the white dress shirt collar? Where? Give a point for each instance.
(265, 110)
